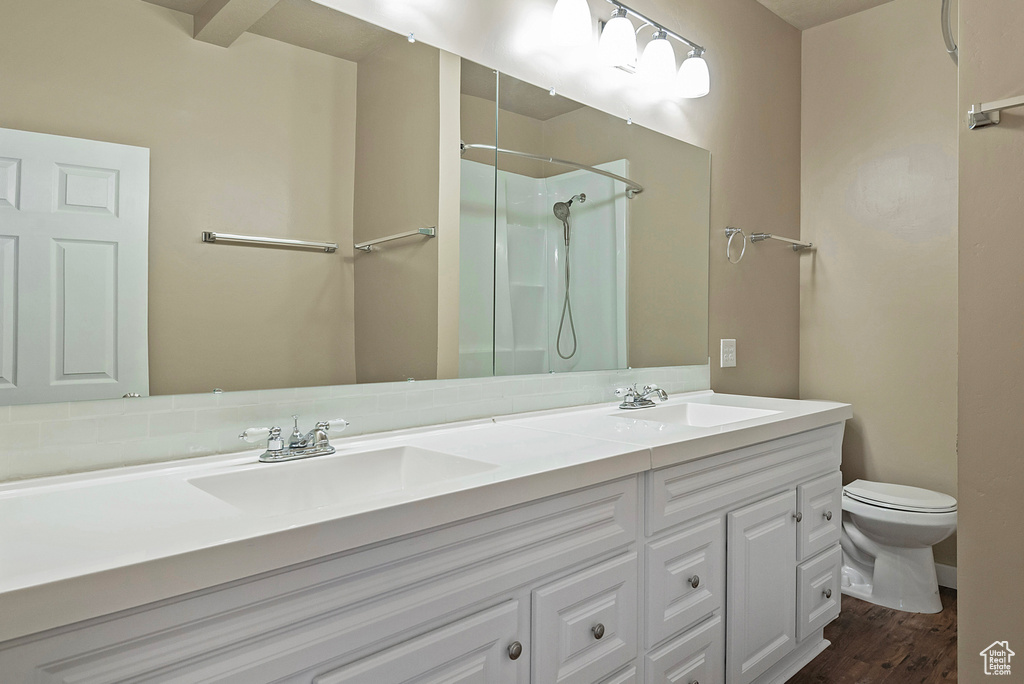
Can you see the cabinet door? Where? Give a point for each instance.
(821, 513)
(685, 578)
(473, 650)
(761, 617)
(585, 625)
(817, 601)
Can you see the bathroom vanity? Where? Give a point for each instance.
(697, 541)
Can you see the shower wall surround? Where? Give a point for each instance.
(529, 254)
(50, 439)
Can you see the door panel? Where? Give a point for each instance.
(74, 241)
(762, 586)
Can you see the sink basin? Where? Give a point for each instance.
(696, 415)
(278, 488)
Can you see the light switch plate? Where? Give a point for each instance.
(728, 354)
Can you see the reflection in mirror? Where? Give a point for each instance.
(127, 138)
(594, 268)
(312, 125)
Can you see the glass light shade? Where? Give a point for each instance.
(618, 42)
(571, 23)
(658, 62)
(694, 78)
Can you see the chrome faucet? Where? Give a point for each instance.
(633, 398)
(313, 443)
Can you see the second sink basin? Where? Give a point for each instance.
(279, 488)
(696, 414)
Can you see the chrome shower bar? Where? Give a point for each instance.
(210, 236)
(650, 22)
(797, 244)
(987, 113)
(632, 187)
(366, 246)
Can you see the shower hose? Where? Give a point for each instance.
(566, 308)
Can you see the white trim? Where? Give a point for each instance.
(946, 575)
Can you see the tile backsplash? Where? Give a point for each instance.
(49, 439)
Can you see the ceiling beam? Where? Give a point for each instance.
(221, 22)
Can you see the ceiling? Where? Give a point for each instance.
(514, 95)
(309, 25)
(804, 14)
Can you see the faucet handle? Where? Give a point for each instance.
(625, 391)
(337, 425)
(256, 434)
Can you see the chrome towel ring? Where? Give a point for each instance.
(732, 233)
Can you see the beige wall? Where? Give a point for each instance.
(750, 122)
(878, 325)
(396, 190)
(991, 398)
(258, 139)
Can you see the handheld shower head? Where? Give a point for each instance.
(561, 210)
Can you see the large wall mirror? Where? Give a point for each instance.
(123, 138)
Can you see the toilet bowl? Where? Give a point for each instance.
(887, 539)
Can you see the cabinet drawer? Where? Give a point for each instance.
(585, 625)
(696, 656)
(685, 578)
(820, 503)
(818, 599)
(692, 490)
(474, 649)
(627, 676)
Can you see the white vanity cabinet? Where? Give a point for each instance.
(449, 603)
(761, 522)
(722, 569)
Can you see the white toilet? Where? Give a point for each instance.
(888, 534)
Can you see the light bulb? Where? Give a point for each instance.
(694, 78)
(658, 62)
(571, 23)
(618, 40)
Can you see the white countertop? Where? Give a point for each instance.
(80, 546)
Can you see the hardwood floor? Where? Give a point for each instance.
(874, 644)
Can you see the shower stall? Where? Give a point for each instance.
(513, 235)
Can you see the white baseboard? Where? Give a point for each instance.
(946, 575)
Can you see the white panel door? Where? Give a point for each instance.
(761, 613)
(74, 240)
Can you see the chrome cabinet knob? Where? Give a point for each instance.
(598, 630)
(799, 516)
(694, 581)
(515, 649)
(828, 593)
(828, 515)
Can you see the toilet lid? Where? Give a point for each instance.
(900, 497)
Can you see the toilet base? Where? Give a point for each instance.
(902, 579)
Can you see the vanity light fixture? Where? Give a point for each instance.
(694, 78)
(658, 62)
(571, 23)
(617, 46)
